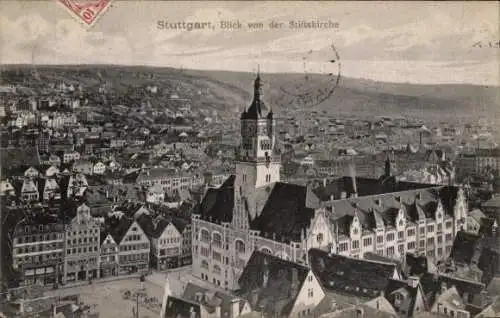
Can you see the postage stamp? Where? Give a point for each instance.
(87, 11)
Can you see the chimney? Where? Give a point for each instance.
(413, 281)
(235, 308)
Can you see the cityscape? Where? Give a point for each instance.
(148, 191)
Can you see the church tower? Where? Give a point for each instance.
(258, 159)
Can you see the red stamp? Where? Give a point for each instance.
(87, 10)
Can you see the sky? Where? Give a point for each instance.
(415, 42)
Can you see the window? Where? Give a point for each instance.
(430, 228)
(390, 237)
(422, 230)
(216, 256)
(204, 264)
(319, 238)
(367, 241)
(448, 237)
(343, 247)
(355, 244)
(411, 245)
(448, 224)
(204, 251)
(430, 241)
(205, 236)
(390, 251)
(240, 246)
(217, 240)
(310, 292)
(380, 239)
(411, 232)
(401, 248)
(440, 227)
(401, 235)
(310, 278)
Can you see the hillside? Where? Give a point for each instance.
(229, 92)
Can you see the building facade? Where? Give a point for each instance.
(109, 256)
(133, 249)
(253, 210)
(82, 257)
(38, 250)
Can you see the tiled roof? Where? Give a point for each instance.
(349, 275)
(271, 284)
(118, 227)
(402, 286)
(464, 247)
(181, 308)
(288, 211)
(210, 299)
(388, 205)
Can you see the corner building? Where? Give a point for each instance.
(253, 210)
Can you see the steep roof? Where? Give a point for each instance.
(118, 227)
(287, 212)
(257, 107)
(349, 275)
(181, 308)
(271, 284)
(402, 286)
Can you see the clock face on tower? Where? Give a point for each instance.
(250, 130)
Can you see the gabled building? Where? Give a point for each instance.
(166, 245)
(220, 303)
(38, 249)
(133, 245)
(108, 264)
(278, 288)
(407, 297)
(81, 262)
(351, 216)
(29, 190)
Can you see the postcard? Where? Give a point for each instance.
(249, 158)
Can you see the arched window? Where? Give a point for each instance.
(266, 250)
(217, 239)
(205, 235)
(217, 269)
(319, 238)
(204, 264)
(240, 246)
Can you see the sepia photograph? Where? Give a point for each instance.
(249, 159)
